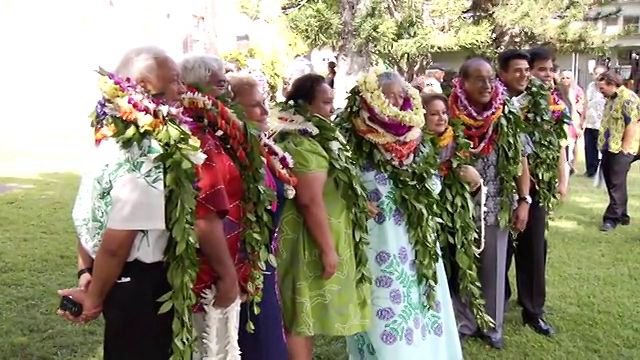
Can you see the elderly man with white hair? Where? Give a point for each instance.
(218, 332)
(205, 73)
(119, 216)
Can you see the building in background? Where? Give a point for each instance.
(623, 20)
(619, 18)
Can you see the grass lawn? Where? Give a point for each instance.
(593, 281)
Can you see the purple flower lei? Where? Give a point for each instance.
(497, 100)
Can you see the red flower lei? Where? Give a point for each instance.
(225, 121)
(480, 132)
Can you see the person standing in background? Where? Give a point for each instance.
(434, 78)
(331, 75)
(573, 95)
(591, 125)
(618, 141)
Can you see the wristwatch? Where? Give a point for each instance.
(85, 271)
(527, 199)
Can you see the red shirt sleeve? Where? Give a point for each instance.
(212, 195)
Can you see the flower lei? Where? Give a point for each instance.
(479, 127)
(546, 133)
(292, 118)
(243, 145)
(557, 106)
(457, 226)
(446, 138)
(500, 129)
(373, 95)
(281, 165)
(220, 324)
(415, 195)
(127, 114)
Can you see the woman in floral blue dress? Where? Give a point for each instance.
(412, 310)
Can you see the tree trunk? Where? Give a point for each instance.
(350, 63)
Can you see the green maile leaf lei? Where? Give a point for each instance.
(459, 228)
(415, 195)
(546, 135)
(342, 166)
(509, 149)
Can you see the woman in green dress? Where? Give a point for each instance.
(322, 258)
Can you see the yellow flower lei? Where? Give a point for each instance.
(371, 92)
(446, 138)
(469, 121)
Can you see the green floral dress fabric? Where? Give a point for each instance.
(310, 304)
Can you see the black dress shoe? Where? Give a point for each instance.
(497, 344)
(607, 226)
(540, 326)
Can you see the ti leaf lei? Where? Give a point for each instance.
(546, 135)
(127, 114)
(459, 228)
(342, 166)
(241, 142)
(414, 192)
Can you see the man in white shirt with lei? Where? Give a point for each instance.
(119, 217)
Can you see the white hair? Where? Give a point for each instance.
(389, 77)
(139, 62)
(198, 69)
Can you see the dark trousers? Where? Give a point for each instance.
(591, 151)
(530, 250)
(133, 328)
(615, 168)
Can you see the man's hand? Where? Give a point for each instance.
(227, 292)
(91, 309)
(329, 263)
(520, 217)
(470, 175)
(563, 189)
(84, 281)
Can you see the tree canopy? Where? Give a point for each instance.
(404, 33)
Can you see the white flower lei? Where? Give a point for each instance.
(220, 325)
(289, 121)
(371, 92)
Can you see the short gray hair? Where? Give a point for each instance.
(390, 77)
(198, 69)
(141, 61)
